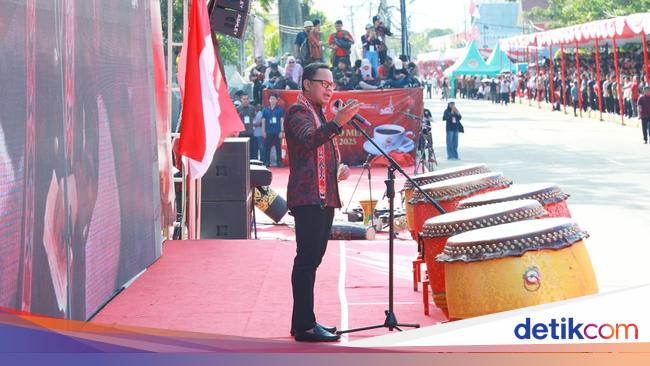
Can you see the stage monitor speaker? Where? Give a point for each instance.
(228, 177)
(226, 220)
(239, 5)
(228, 22)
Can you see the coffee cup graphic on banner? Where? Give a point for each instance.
(390, 137)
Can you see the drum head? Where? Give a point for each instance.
(512, 239)
(545, 193)
(449, 173)
(462, 186)
(482, 216)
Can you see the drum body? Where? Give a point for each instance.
(433, 177)
(548, 194)
(347, 231)
(437, 230)
(516, 265)
(450, 192)
(270, 202)
(368, 207)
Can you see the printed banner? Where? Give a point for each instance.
(387, 110)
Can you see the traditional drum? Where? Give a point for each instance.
(347, 231)
(270, 202)
(548, 194)
(368, 207)
(515, 265)
(437, 230)
(432, 177)
(449, 192)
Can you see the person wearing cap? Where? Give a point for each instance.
(341, 41)
(370, 44)
(300, 46)
(452, 118)
(382, 32)
(315, 43)
(257, 76)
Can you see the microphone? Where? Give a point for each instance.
(338, 104)
(413, 116)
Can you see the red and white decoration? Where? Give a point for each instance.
(208, 114)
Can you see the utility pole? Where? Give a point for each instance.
(351, 15)
(383, 12)
(405, 30)
(290, 17)
(258, 36)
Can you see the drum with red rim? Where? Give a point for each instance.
(515, 265)
(437, 230)
(451, 191)
(432, 177)
(548, 194)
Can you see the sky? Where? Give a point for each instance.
(424, 14)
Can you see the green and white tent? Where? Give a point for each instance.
(470, 64)
(498, 60)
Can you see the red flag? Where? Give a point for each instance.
(208, 114)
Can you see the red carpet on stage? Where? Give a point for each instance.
(243, 288)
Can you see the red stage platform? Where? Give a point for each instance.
(243, 288)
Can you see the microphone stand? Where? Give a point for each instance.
(421, 149)
(391, 320)
(372, 209)
(365, 166)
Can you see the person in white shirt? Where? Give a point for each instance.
(513, 88)
(505, 90)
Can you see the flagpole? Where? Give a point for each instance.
(197, 224)
(191, 226)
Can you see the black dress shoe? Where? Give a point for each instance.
(316, 334)
(329, 329)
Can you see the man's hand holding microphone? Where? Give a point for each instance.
(344, 114)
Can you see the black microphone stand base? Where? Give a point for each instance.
(390, 323)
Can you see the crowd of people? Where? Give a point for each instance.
(375, 70)
(579, 90)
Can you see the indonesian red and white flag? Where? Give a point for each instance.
(473, 10)
(209, 115)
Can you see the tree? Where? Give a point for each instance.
(420, 41)
(228, 46)
(562, 13)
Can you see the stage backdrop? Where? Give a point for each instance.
(79, 198)
(385, 109)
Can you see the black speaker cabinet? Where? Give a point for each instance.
(228, 22)
(239, 5)
(225, 220)
(228, 178)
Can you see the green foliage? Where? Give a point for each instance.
(271, 41)
(228, 46)
(420, 41)
(178, 19)
(561, 13)
(228, 49)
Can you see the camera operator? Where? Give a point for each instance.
(425, 139)
(381, 32)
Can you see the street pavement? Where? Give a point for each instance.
(604, 166)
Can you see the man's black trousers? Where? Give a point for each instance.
(313, 225)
